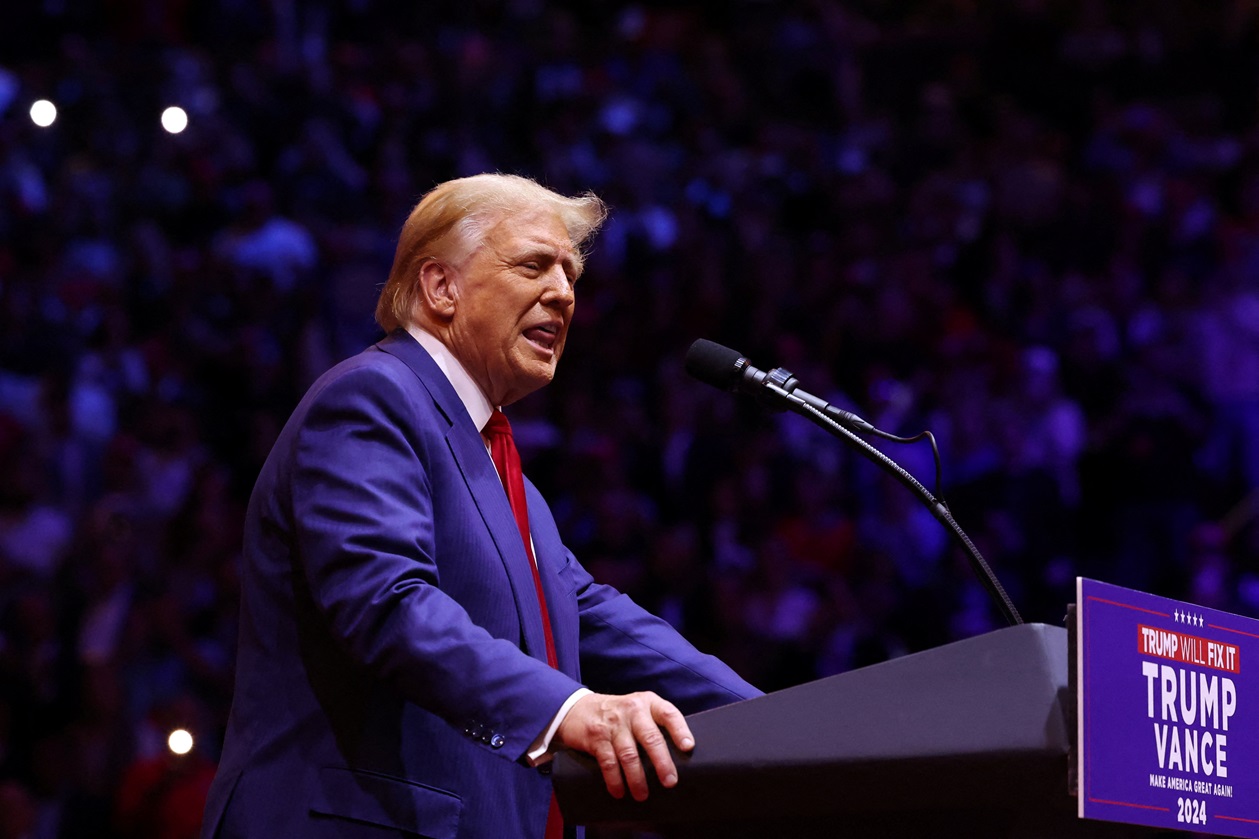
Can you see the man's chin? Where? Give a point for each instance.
(532, 377)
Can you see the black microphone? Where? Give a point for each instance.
(727, 369)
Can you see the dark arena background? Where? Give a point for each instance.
(1030, 226)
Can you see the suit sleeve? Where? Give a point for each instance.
(625, 648)
(362, 503)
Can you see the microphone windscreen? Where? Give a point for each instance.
(713, 364)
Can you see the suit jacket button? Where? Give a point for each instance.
(545, 769)
(497, 741)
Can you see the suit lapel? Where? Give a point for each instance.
(468, 450)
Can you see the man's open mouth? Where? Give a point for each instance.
(544, 335)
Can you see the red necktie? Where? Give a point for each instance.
(507, 461)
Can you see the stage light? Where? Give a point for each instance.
(43, 113)
(179, 741)
(174, 119)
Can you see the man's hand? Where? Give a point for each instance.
(609, 728)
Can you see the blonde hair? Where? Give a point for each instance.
(451, 220)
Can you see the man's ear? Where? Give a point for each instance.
(437, 292)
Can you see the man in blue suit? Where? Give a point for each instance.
(414, 642)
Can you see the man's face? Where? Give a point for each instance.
(513, 303)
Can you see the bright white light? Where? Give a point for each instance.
(43, 113)
(180, 741)
(174, 119)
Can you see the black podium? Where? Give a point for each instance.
(971, 739)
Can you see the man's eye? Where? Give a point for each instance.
(532, 266)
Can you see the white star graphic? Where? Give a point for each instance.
(1177, 616)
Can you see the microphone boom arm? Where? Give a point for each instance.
(985, 574)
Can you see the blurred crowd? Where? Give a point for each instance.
(1031, 227)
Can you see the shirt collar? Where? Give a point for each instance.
(469, 392)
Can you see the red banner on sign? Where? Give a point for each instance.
(1188, 649)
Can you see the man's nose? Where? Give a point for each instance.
(559, 290)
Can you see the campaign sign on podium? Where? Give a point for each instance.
(1168, 712)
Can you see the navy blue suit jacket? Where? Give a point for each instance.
(392, 671)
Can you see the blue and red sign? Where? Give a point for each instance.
(1168, 697)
